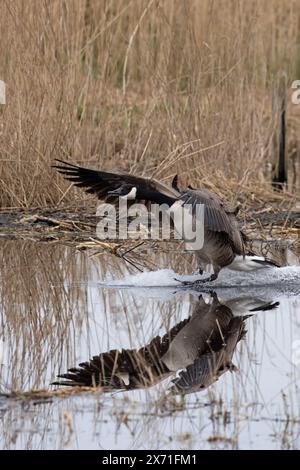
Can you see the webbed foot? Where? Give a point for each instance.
(198, 282)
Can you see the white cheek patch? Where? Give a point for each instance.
(130, 195)
(175, 208)
(124, 376)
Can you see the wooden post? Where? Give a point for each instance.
(2, 92)
(279, 164)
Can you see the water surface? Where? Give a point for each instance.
(59, 310)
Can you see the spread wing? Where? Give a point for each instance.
(142, 367)
(109, 186)
(103, 184)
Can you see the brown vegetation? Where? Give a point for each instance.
(152, 86)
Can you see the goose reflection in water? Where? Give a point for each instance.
(199, 348)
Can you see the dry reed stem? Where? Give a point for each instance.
(154, 87)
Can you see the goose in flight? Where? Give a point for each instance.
(223, 241)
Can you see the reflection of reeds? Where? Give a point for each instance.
(46, 306)
(52, 317)
(155, 87)
(38, 310)
(142, 255)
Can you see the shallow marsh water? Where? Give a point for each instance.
(56, 313)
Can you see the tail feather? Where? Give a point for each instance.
(266, 262)
(251, 262)
(262, 260)
(264, 308)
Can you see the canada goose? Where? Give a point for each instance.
(201, 346)
(224, 242)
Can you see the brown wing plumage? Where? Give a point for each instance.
(217, 359)
(108, 186)
(217, 216)
(102, 184)
(143, 366)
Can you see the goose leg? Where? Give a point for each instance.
(210, 278)
(198, 282)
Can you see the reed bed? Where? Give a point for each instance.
(156, 87)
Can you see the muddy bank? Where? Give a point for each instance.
(79, 224)
(48, 224)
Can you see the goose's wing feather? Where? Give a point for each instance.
(203, 372)
(100, 183)
(218, 217)
(207, 368)
(142, 366)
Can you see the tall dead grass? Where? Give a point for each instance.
(151, 86)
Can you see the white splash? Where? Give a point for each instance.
(160, 278)
(289, 275)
